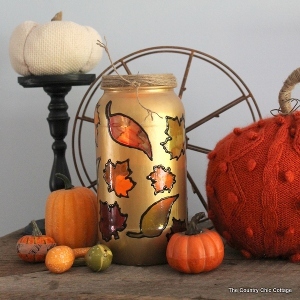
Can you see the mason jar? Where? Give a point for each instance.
(141, 166)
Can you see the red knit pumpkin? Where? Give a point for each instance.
(253, 185)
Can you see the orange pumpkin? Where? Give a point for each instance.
(252, 183)
(71, 216)
(195, 250)
(33, 248)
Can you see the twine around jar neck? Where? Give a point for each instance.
(140, 80)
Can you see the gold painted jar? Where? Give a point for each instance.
(141, 166)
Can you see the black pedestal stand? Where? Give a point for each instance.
(57, 87)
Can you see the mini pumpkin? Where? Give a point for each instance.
(71, 216)
(54, 48)
(252, 183)
(195, 250)
(33, 248)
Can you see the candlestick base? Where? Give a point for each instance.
(57, 87)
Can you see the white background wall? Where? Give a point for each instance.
(259, 40)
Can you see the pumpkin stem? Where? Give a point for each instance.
(35, 229)
(192, 227)
(57, 17)
(66, 180)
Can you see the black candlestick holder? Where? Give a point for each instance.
(57, 87)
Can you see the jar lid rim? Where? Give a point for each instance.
(139, 80)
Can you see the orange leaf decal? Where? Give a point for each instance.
(155, 219)
(175, 142)
(117, 177)
(162, 179)
(127, 132)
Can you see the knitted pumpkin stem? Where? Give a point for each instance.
(66, 180)
(35, 229)
(285, 92)
(192, 227)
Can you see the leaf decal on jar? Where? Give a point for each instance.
(155, 219)
(162, 179)
(175, 142)
(117, 178)
(127, 132)
(111, 220)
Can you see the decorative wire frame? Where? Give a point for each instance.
(191, 54)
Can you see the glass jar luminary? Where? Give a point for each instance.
(141, 166)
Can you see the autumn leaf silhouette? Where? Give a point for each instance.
(175, 142)
(111, 220)
(155, 219)
(127, 132)
(117, 178)
(162, 179)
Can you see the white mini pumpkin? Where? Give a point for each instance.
(54, 48)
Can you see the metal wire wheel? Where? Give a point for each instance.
(160, 59)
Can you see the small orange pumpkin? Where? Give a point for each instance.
(195, 250)
(71, 216)
(33, 248)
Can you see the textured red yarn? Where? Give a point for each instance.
(253, 188)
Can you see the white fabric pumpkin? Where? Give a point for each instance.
(54, 48)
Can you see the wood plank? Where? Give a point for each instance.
(20, 280)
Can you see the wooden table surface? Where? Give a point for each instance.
(268, 279)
